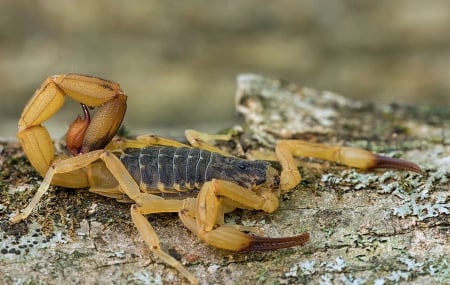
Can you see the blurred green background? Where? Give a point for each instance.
(177, 60)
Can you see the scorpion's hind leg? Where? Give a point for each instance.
(203, 218)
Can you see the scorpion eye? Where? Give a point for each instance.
(243, 166)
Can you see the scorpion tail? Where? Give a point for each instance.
(266, 243)
(394, 163)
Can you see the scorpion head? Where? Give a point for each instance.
(248, 174)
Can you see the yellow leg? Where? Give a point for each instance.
(206, 216)
(354, 157)
(63, 166)
(224, 236)
(112, 192)
(143, 141)
(195, 138)
(157, 140)
(146, 204)
(151, 239)
(201, 140)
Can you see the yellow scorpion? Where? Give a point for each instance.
(200, 182)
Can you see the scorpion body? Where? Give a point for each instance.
(167, 169)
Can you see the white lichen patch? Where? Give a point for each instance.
(20, 188)
(304, 268)
(307, 267)
(350, 280)
(338, 265)
(418, 195)
(145, 278)
(213, 268)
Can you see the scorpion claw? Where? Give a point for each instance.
(266, 243)
(394, 163)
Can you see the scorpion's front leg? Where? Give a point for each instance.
(205, 217)
(354, 157)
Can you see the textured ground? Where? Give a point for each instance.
(367, 227)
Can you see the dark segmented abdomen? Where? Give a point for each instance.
(168, 169)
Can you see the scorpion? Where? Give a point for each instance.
(199, 181)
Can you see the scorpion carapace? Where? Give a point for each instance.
(180, 169)
(145, 169)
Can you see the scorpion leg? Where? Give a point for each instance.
(143, 141)
(63, 166)
(354, 157)
(203, 216)
(158, 140)
(151, 239)
(145, 204)
(201, 140)
(195, 138)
